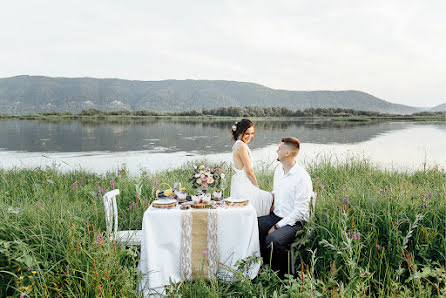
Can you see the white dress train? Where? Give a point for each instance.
(242, 187)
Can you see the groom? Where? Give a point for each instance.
(292, 191)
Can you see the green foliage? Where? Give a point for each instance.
(375, 232)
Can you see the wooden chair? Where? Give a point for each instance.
(304, 238)
(129, 238)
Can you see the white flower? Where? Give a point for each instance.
(222, 175)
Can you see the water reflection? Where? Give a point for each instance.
(164, 135)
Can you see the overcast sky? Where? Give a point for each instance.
(395, 50)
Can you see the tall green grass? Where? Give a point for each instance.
(51, 241)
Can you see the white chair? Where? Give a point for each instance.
(298, 244)
(129, 238)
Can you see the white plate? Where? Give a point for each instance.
(164, 201)
(235, 200)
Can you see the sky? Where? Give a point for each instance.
(394, 50)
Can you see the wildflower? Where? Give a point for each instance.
(396, 223)
(99, 239)
(21, 277)
(205, 253)
(29, 269)
(390, 197)
(99, 192)
(346, 200)
(33, 272)
(86, 220)
(112, 184)
(74, 185)
(155, 181)
(356, 236)
(378, 247)
(122, 213)
(22, 295)
(424, 204)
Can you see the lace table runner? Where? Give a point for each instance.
(199, 250)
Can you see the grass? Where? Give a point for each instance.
(51, 241)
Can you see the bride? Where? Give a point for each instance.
(244, 182)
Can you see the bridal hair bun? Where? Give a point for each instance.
(234, 126)
(239, 128)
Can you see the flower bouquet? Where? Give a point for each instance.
(205, 177)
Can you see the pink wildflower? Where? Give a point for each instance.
(99, 239)
(74, 185)
(99, 192)
(112, 184)
(378, 247)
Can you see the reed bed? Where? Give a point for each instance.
(375, 233)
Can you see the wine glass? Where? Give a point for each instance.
(223, 185)
(177, 186)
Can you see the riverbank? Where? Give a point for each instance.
(52, 223)
(149, 116)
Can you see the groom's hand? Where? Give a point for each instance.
(273, 229)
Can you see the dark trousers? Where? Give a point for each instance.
(275, 246)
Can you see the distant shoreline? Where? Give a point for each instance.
(67, 117)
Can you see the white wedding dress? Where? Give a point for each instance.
(242, 188)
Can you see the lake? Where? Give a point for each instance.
(102, 146)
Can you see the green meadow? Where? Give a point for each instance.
(375, 233)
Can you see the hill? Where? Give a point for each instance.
(37, 94)
(439, 108)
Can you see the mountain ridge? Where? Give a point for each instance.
(26, 94)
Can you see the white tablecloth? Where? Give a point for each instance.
(160, 262)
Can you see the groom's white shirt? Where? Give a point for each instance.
(292, 193)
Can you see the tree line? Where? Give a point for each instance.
(242, 112)
(246, 112)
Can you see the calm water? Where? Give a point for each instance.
(161, 144)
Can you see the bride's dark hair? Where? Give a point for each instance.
(239, 128)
